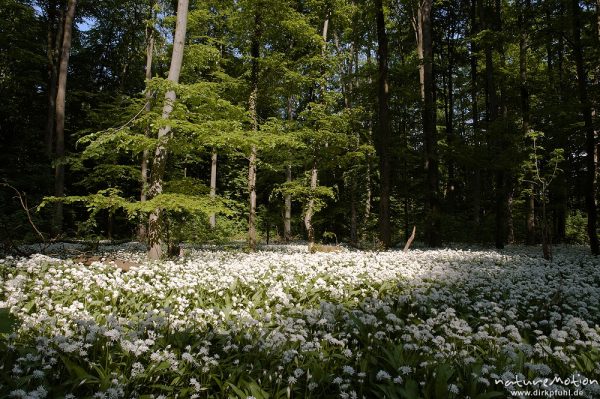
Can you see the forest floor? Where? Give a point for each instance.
(281, 322)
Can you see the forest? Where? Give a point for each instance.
(316, 120)
(299, 198)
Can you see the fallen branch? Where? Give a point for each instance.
(410, 239)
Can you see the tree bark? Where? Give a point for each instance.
(287, 220)
(61, 92)
(523, 20)
(54, 43)
(287, 216)
(427, 80)
(510, 228)
(252, 110)
(451, 184)
(213, 186)
(314, 172)
(590, 140)
(308, 214)
(368, 193)
(155, 228)
(492, 113)
(384, 128)
(476, 186)
(142, 229)
(252, 239)
(353, 212)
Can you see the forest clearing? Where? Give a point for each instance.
(282, 322)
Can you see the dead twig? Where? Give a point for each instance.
(23, 202)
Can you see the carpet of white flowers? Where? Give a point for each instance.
(284, 323)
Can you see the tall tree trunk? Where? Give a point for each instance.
(384, 129)
(451, 184)
(155, 228)
(510, 237)
(368, 192)
(561, 198)
(287, 219)
(492, 18)
(590, 140)
(287, 213)
(252, 238)
(61, 93)
(54, 43)
(523, 76)
(506, 222)
(213, 186)
(308, 214)
(252, 110)
(310, 208)
(427, 79)
(368, 178)
(353, 212)
(142, 229)
(476, 186)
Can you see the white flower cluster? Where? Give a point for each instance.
(490, 312)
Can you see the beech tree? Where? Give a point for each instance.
(61, 93)
(155, 233)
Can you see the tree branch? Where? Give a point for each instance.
(23, 202)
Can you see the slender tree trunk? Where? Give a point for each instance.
(384, 133)
(590, 140)
(368, 192)
(523, 49)
(368, 179)
(492, 114)
(310, 208)
(308, 214)
(54, 43)
(451, 184)
(504, 223)
(425, 52)
(252, 238)
(353, 213)
(287, 216)
(142, 229)
(155, 229)
(287, 220)
(476, 186)
(252, 110)
(61, 93)
(213, 186)
(348, 90)
(510, 227)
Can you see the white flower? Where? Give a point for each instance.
(112, 334)
(18, 393)
(383, 375)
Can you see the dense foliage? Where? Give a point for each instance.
(335, 110)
